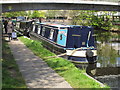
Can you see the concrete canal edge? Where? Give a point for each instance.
(101, 84)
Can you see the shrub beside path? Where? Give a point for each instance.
(35, 71)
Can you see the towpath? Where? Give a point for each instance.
(35, 71)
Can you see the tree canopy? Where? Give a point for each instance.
(78, 17)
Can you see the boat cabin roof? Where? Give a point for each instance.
(62, 26)
(54, 25)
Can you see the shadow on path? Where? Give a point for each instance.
(36, 72)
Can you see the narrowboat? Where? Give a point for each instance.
(24, 27)
(76, 41)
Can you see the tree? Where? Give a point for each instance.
(14, 14)
(38, 14)
(51, 14)
(102, 21)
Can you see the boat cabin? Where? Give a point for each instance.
(67, 36)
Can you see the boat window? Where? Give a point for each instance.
(55, 35)
(18, 25)
(61, 37)
(43, 31)
(51, 34)
(39, 29)
(33, 28)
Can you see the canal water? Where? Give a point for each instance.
(107, 67)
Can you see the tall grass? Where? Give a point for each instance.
(11, 77)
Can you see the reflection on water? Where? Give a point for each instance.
(112, 80)
(107, 56)
(108, 48)
(107, 75)
(108, 61)
(107, 68)
(118, 61)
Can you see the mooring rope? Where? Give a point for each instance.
(57, 56)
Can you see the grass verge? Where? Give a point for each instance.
(11, 77)
(66, 69)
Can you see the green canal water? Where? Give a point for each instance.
(107, 67)
(108, 60)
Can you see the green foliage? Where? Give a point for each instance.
(63, 67)
(116, 27)
(14, 14)
(11, 77)
(50, 13)
(80, 17)
(38, 14)
(25, 13)
(103, 36)
(99, 22)
(90, 18)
